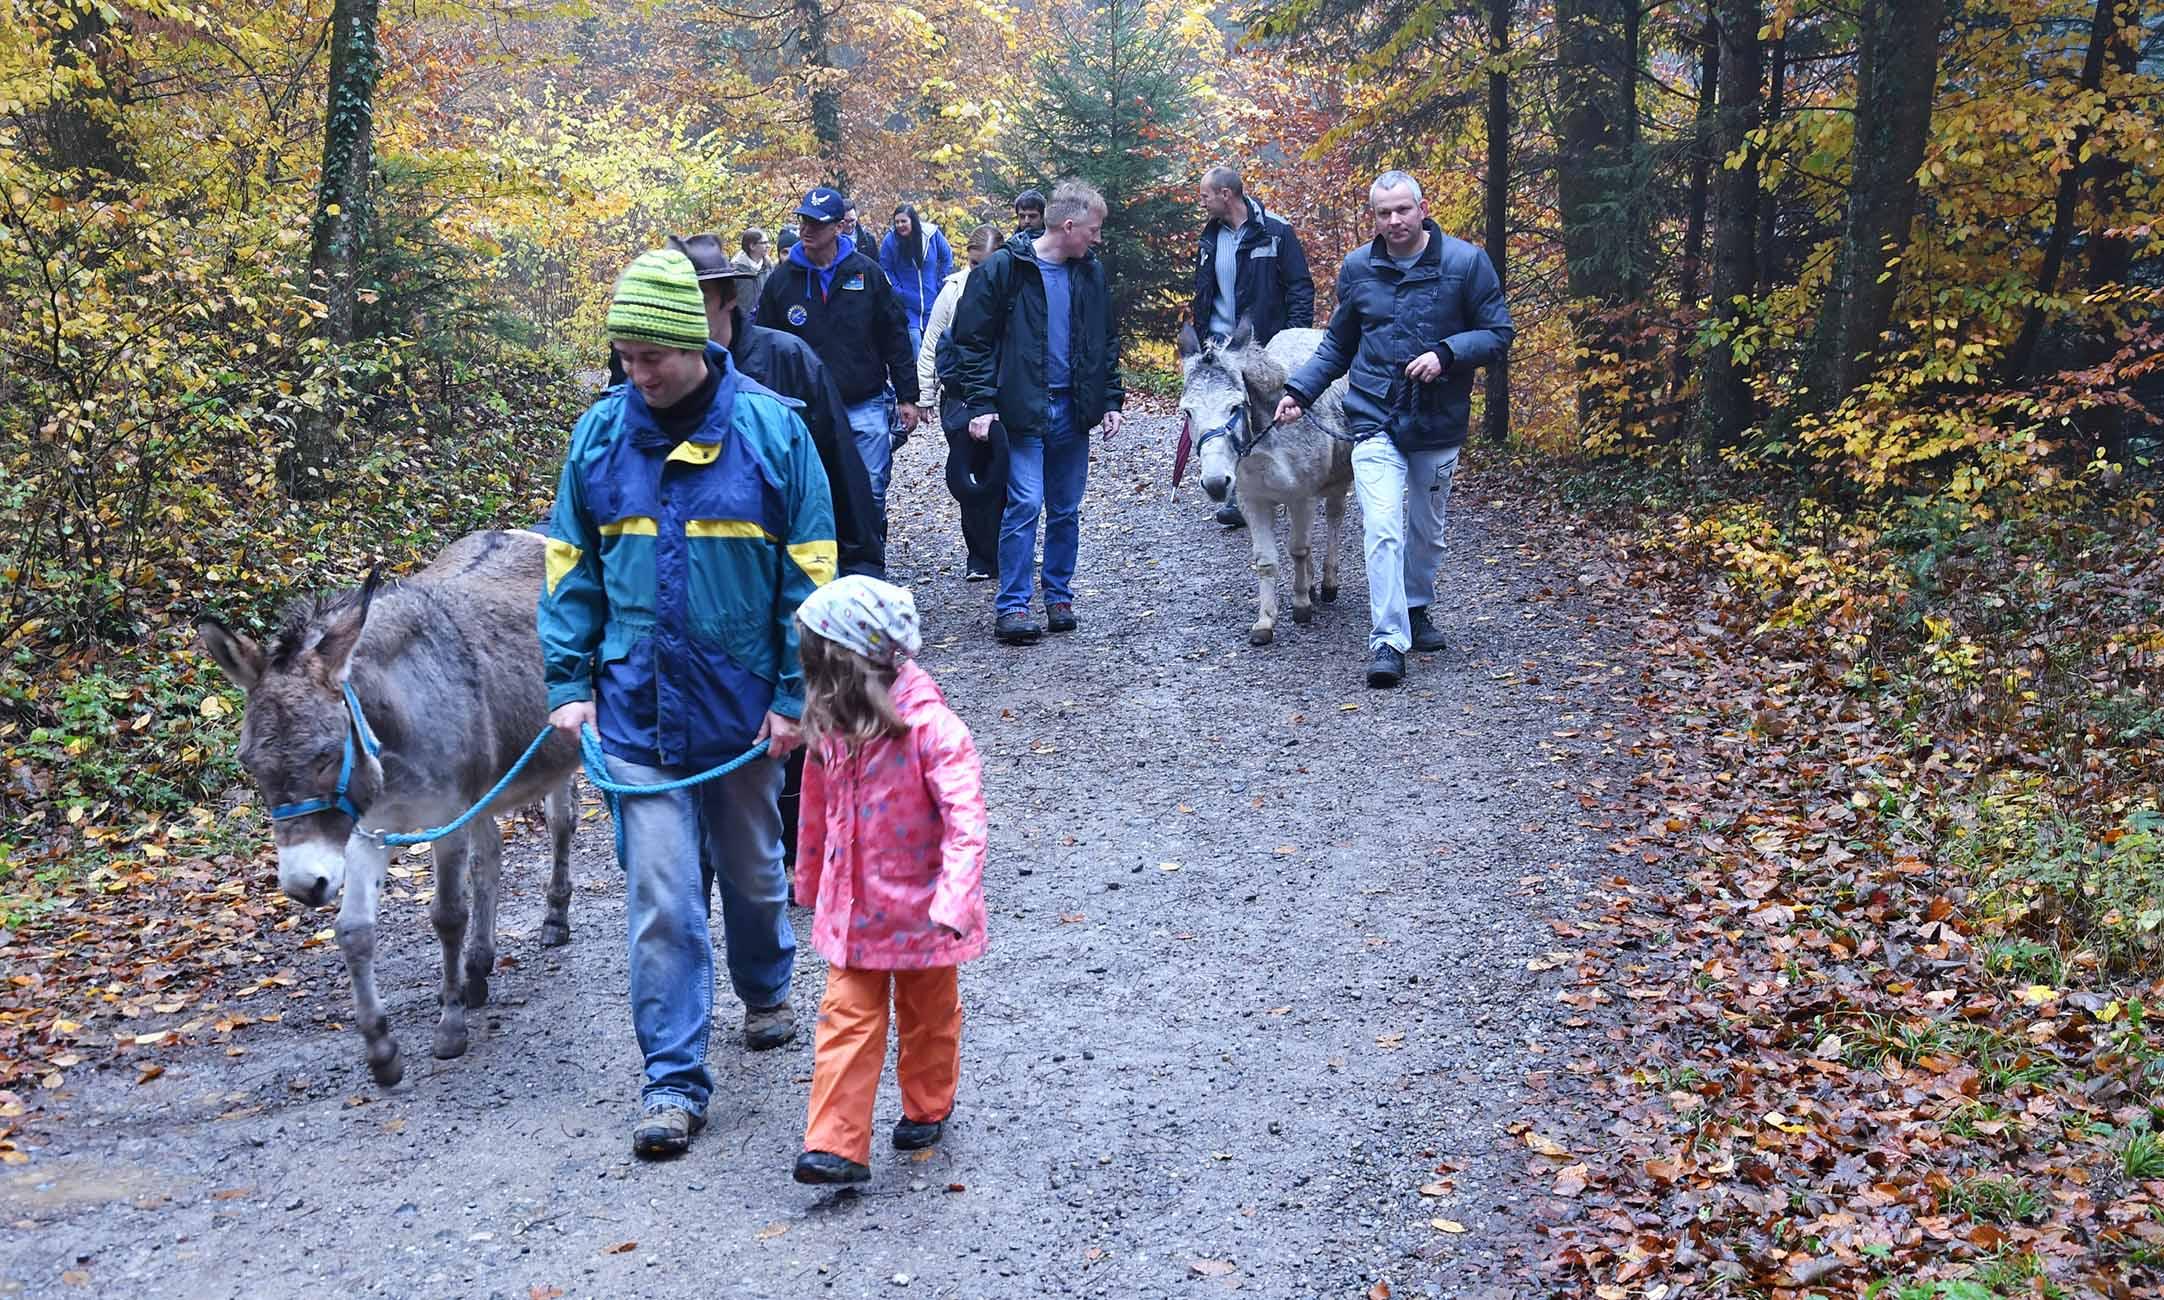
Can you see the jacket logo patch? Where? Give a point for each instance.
(854, 282)
(1266, 250)
(797, 314)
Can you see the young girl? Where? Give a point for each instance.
(890, 851)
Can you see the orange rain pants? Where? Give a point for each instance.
(850, 1049)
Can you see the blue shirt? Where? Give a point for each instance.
(1058, 323)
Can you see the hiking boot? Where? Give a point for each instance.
(664, 1130)
(1059, 617)
(766, 1028)
(1386, 667)
(1427, 638)
(1016, 629)
(914, 1135)
(1229, 515)
(826, 1167)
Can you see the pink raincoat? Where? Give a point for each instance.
(891, 841)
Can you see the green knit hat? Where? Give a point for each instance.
(658, 301)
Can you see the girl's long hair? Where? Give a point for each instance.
(914, 247)
(846, 696)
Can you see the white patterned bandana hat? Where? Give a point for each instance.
(876, 619)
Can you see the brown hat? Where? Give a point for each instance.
(708, 259)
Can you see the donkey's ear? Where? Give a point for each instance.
(1242, 335)
(1187, 343)
(332, 654)
(241, 658)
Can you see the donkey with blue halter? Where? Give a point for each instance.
(395, 707)
(1228, 397)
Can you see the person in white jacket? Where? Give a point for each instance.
(976, 470)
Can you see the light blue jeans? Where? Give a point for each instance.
(872, 422)
(675, 849)
(1045, 476)
(1404, 502)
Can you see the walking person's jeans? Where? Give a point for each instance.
(1403, 501)
(977, 478)
(675, 849)
(871, 421)
(1045, 476)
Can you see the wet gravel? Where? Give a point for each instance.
(1259, 974)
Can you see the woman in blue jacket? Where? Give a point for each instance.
(917, 261)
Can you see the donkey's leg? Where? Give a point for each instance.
(1262, 531)
(448, 913)
(1301, 511)
(562, 806)
(484, 868)
(1334, 520)
(357, 940)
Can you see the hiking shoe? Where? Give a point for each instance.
(1059, 617)
(976, 573)
(826, 1167)
(1229, 515)
(1386, 667)
(914, 1135)
(768, 1027)
(664, 1130)
(1016, 629)
(1427, 638)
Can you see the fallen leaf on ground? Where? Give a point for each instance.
(1447, 1225)
(620, 1248)
(1212, 1267)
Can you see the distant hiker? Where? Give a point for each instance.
(894, 836)
(1029, 213)
(753, 263)
(837, 299)
(1035, 351)
(976, 470)
(1250, 267)
(1417, 312)
(917, 260)
(691, 520)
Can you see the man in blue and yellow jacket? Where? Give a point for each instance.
(691, 520)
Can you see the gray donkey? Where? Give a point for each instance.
(1229, 396)
(393, 709)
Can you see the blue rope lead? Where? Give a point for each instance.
(597, 771)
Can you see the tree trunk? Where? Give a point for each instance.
(341, 221)
(2112, 256)
(79, 125)
(1496, 408)
(1705, 152)
(1897, 74)
(1594, 175)
(2023, 354)
(1769, 205)
(815, 42)
(1724, 405)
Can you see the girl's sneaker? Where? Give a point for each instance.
(826, 1167)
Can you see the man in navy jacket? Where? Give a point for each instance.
(1417, 312)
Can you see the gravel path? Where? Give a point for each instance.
(1259, 973)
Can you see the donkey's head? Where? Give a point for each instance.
(1228, 395)
(299, 740)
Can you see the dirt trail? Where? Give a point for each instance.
(1260, 945)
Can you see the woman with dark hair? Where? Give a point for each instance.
(917, 261)
(976, 471)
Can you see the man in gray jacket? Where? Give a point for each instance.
(1417, 312)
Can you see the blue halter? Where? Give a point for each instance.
(338, 800)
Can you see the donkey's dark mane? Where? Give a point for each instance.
(305, 617)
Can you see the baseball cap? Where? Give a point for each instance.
(707, 257)
(823, 204)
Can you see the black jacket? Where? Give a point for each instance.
(855, 324)
(787, 365)
(1271, 289)
(999, 341)
(1450, 303)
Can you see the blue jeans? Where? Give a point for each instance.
(1044, 475)
(872, 422)
(675, 848)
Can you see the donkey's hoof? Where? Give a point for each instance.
(1261, 635)
(1303, 614)
(474, 992)
(389, 1071)
(1328, 595)
(450, 1041)
(555, 934)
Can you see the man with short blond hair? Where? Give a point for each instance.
(1034, 349)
